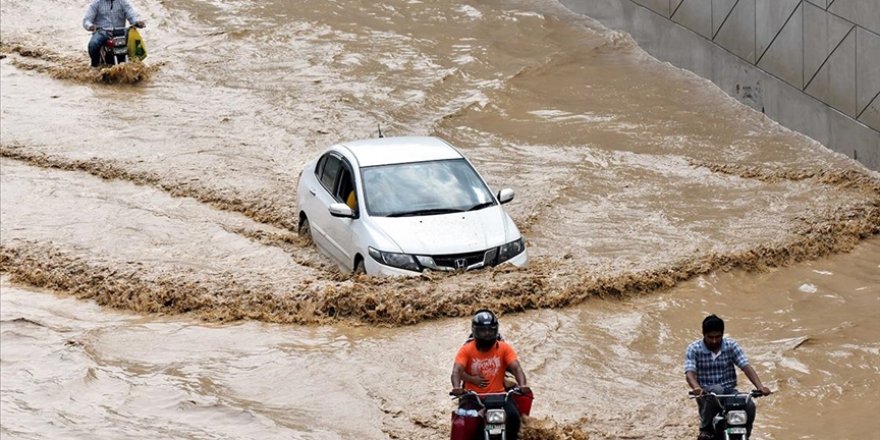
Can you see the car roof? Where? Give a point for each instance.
(404, 149)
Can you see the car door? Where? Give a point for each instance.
(333, 234)
(319, 199)
(340, 230)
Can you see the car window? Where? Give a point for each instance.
(345, 191)
(441, 186)
(345, 184)
(320, 166)
(331, 169)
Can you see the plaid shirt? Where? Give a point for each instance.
(109, 14)
(718, 371)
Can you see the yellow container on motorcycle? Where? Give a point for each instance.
(137, 50)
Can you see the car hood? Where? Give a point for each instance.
(449, 233)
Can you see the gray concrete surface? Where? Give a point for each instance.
(811, 65)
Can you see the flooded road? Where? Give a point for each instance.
(647, 197)
(610, 368)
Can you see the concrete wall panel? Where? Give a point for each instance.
(867, 70)
(738, 78)
(871, 114)
(659, 6)
(845, 78)
(785, 57)
(865, 13)
(822, 33)
(737, 34)
(855, 140)
(673, 6)
(772, 15)
(720, 10)
(695, 15)
(835, 82)
(797, 110)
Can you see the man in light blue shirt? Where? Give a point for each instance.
(708, 368)
(107, 14)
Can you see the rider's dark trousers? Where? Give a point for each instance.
(709, 408)
(513, 420)
(98, 40)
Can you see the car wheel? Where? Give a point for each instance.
(359, 268)
(305, 230)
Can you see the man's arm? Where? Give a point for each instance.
(519, 375)
(756, 381)
(690, 371)
(89, 19)
(132, 16)
(457, 384)
(691, 377)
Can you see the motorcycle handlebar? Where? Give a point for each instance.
(514, 390)
(753, 393)
(111, 29)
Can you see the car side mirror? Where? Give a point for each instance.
(341, 210)
(505, 195)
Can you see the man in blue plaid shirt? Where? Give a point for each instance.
(708, 367)
(107, 14)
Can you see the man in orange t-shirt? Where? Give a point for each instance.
(481, 363)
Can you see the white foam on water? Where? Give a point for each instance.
(808, 288)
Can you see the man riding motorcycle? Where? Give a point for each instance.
(107, 14)
(708, 368)
(481, 363)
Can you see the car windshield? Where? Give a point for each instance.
(424, 188)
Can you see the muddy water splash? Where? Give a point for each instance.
(224, 296)
(75, 68)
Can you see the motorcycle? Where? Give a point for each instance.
(116, 49)
(731, 423)
(482, 416)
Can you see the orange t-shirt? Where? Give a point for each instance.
(490, 365)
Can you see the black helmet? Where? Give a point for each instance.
(484, 326)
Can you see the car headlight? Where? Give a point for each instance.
(510, 250)
(495, 416)
(737, 417)
(394, 259)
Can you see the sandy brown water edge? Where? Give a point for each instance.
(268, 209)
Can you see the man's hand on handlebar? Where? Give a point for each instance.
(697, 392)
(766, 391)
(140, 24)
(525, 389)
(457, 392)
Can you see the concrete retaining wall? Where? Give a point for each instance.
(811, 65)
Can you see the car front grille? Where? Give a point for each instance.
(470, 260)
(456, 260)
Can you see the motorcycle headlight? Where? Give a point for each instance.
(393, 259)
(495, 416)
(736, 418)
(510, 250)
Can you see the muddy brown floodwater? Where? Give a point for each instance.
(153, 284)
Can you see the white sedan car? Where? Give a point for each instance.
(398, 206)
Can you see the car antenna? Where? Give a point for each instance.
(380, 130)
